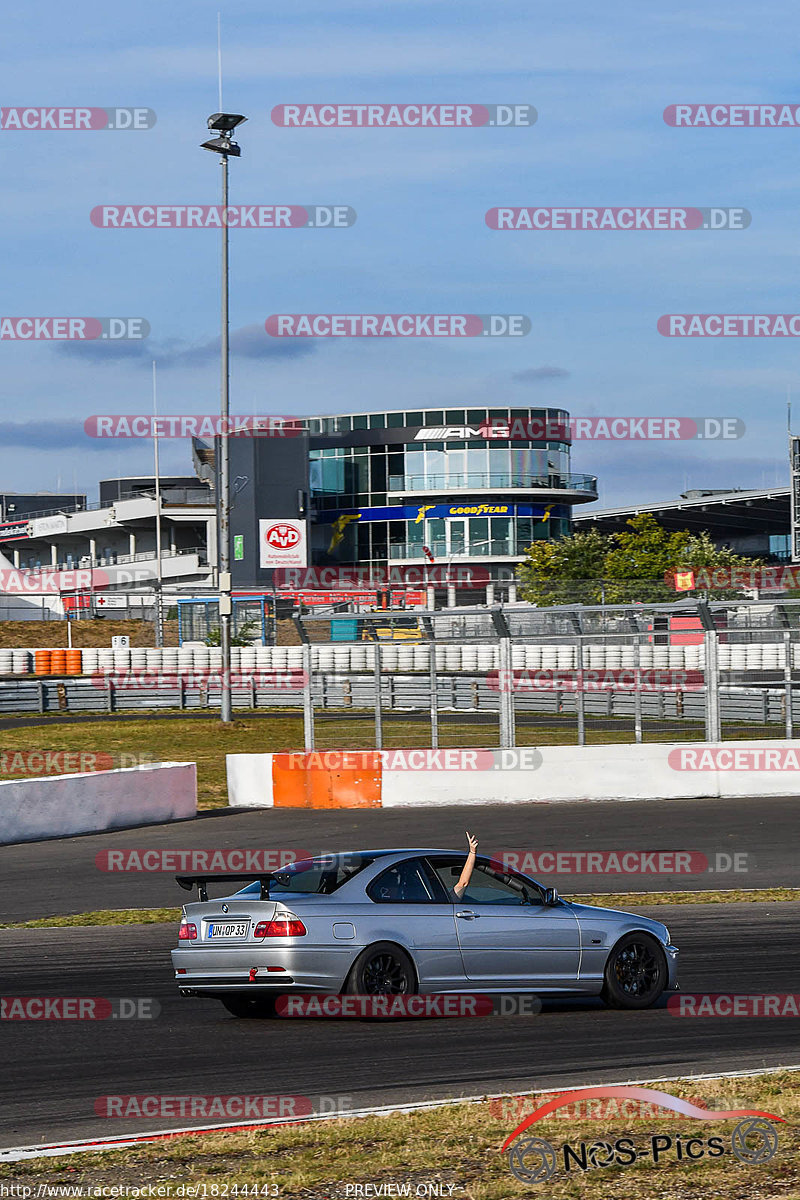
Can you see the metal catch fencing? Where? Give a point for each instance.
(507, 676)
(515, 675)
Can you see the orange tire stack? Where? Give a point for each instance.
(42, 661)
(58, 662)
(73, 662)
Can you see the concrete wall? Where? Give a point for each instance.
(62, 805)
(409, 778)
(249, 780)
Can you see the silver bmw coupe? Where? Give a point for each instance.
(388, 922)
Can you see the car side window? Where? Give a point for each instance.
(487, 885)
(403, 883)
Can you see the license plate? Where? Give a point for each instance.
(228, 929)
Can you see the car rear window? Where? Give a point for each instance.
(315, 876)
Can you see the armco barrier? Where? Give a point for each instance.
(368, 779)
(63, 805)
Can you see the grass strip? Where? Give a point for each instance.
(103, 916)
(457, 1145)
(159, 916)
(730, 896)
(206, 741)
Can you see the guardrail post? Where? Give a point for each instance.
(308, 700)
(787, 681)
(506, 695)
(713, 720)
(377, 686)
(637, 695)
(434, 690)
(580, 694)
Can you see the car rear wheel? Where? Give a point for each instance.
(382, 970)
(636, 972)
(249, 1006)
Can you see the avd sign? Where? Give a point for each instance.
(282, 543)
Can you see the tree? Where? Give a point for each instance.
(634, 566)
(565, 571)
(637, 562)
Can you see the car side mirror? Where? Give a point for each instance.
(551, 897)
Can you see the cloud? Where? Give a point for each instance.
(536, 374)
(51, 435)
(251, 341)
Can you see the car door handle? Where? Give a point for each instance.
(466, 915)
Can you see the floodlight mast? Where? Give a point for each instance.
(224, 124)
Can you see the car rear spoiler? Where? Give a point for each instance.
(187, 882)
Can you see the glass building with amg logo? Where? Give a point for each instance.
(401, 490)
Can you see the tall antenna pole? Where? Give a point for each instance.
(219, 58)
(794, 480)
(159, 576)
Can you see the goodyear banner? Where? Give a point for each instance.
(419, 512)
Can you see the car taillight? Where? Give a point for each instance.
(280, 928)
(187, 932)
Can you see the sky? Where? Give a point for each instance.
(599, 77)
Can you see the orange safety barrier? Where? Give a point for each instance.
(58, 662)
(41, 662)
(73, 662)
(326, 780)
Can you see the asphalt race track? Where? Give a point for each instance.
(53, 1072)
(42, 879)
(59, 1069)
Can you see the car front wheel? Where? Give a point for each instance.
(636, 972)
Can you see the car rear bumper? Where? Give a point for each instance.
(274, 968)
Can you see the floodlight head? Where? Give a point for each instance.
(225, 122)
(223, 145)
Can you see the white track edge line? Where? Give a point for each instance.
(95, 1145)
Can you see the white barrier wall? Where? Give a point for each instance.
(62, 805)
(657, 771)
(610, 772)
(249, 780)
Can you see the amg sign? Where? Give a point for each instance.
(534, 429)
